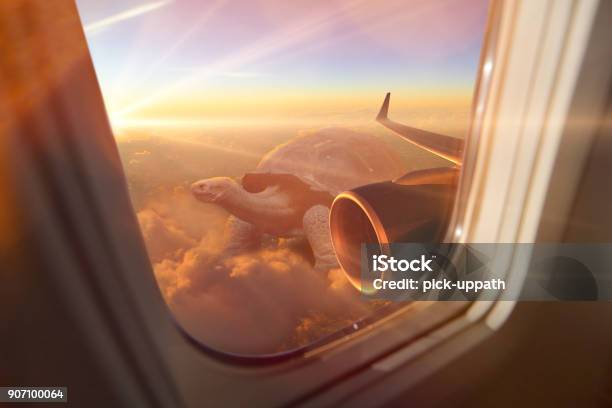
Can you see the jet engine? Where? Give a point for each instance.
(413, 208)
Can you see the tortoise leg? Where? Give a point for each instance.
(240, 236)
(316, 228)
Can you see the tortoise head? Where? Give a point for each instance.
(215, 189)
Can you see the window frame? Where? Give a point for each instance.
(77, 197)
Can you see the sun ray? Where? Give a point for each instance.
(143, 76)
(99, 25)
(291, 36)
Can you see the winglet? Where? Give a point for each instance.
(384, 109)
(444, 146)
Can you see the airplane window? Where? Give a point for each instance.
(239, 122)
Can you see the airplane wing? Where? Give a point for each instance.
(447, 147)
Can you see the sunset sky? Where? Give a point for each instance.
(199, 89)
(176, 61)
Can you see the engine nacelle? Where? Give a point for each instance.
(413, 208)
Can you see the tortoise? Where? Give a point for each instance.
(290, 191)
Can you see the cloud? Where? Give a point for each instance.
(264, 301)
(99, 25)
(166, 238)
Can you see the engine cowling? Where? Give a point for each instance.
(413, 208)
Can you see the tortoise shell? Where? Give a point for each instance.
(324, 163)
